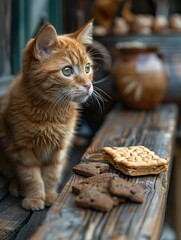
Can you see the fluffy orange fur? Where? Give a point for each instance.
(39, 113)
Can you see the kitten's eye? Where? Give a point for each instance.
(87, 68)
(67, 71)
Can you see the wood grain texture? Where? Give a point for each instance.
(155, 130)
(31, 225)
(12, 217)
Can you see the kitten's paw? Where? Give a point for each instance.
(33, 204)
(50, 198)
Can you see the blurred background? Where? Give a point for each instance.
(156, 23)
(143, 36)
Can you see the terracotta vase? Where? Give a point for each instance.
(140, 76)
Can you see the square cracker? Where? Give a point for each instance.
(135, 160)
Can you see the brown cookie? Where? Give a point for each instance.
(135, 160)
(103, 178)
(89, 169)
(124, 189)
(91, 197)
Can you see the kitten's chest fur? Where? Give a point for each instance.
(51, 137)
(38, 129)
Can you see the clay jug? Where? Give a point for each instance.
(140, 76)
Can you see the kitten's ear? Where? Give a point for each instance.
(45, 42)
(84, 34)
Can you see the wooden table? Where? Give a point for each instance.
(153, 129)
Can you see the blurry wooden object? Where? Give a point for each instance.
(169, 46)
(175, 22)
(140, 75)
(105, 11)
(126, 12)
(142, 24)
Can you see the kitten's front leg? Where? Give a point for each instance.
(52, 175)
(33, 187)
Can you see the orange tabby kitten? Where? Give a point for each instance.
(39, 112)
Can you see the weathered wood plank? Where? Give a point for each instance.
(154, 130)
(31, 225)
(12, 217)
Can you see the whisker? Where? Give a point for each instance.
(101, 107)
(100, 96)
(98, 67)
(98, 51)
(101, 56)
(102, 80)
(64, 99)
(99, 89)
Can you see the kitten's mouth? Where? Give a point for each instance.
(83, 97)
(90, 91)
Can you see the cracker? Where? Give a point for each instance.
(89, 169)
(124, 189)
(97, 179)
(91, 197)
(135, 160)
(102, 188)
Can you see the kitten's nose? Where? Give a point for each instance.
(87, 86)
